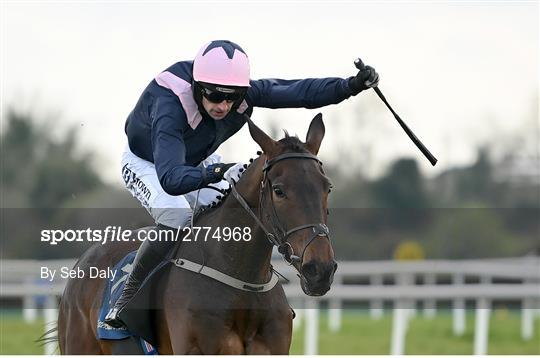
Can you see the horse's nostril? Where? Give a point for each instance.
(335, 266)
(309, 270)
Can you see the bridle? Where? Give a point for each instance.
(278, 235)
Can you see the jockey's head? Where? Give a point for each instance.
(220, 78)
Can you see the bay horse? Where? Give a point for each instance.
(281, 199)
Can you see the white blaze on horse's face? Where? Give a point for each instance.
(299, 192)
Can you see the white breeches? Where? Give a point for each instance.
(142, 181)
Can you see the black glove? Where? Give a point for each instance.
(366, 78)
(214, 172)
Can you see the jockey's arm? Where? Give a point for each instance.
(306, 93)
(169, 151)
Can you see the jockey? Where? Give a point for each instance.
(182, 117)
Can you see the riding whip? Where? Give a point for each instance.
(360, 66)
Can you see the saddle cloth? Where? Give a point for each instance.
(110, 295)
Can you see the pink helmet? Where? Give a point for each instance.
(223, 63)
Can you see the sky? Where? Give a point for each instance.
(460, 73)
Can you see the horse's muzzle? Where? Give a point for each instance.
(317, 277)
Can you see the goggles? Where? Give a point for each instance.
(218, 94)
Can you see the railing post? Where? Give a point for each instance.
(401, 316)
(334, 311)
(527, 320)
(51, 316)
(458, 309)
(399, 329)
(29, 309)
(299, 312)
(404, 280)
(481, 327)
(311, 331)
(429, 304)
(527, 317)
(481, 331)
(376, 305)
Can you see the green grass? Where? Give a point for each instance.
(358, 335)
(18, 337)
(361, 335)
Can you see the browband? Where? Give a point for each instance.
(274, 160)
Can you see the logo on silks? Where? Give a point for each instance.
(141, 189)
(128, 175)
(224, 89)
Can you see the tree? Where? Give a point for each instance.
(402, 187)
(39, 171)
(39, 174)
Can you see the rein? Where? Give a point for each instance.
(278, 236)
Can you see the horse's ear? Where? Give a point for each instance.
(266, 143)
(315, 134)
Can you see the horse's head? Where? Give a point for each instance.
(293, 204)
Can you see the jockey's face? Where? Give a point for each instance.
(217, 110)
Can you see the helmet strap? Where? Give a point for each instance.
(197, 96)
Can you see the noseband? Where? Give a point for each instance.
(278, 236)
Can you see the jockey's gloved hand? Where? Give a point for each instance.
(214, 172)
(366, 78)
(234, 173)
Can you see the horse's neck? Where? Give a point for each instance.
(247, 260)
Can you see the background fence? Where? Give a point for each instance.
(406, 287)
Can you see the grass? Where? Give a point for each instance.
(358, 335)
(361, 335)
(18, 337)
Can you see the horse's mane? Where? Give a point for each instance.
(289, 143)
(292, 144)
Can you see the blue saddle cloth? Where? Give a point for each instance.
(110, 295)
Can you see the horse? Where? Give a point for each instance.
(229, 301)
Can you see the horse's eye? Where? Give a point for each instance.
(277, 190)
